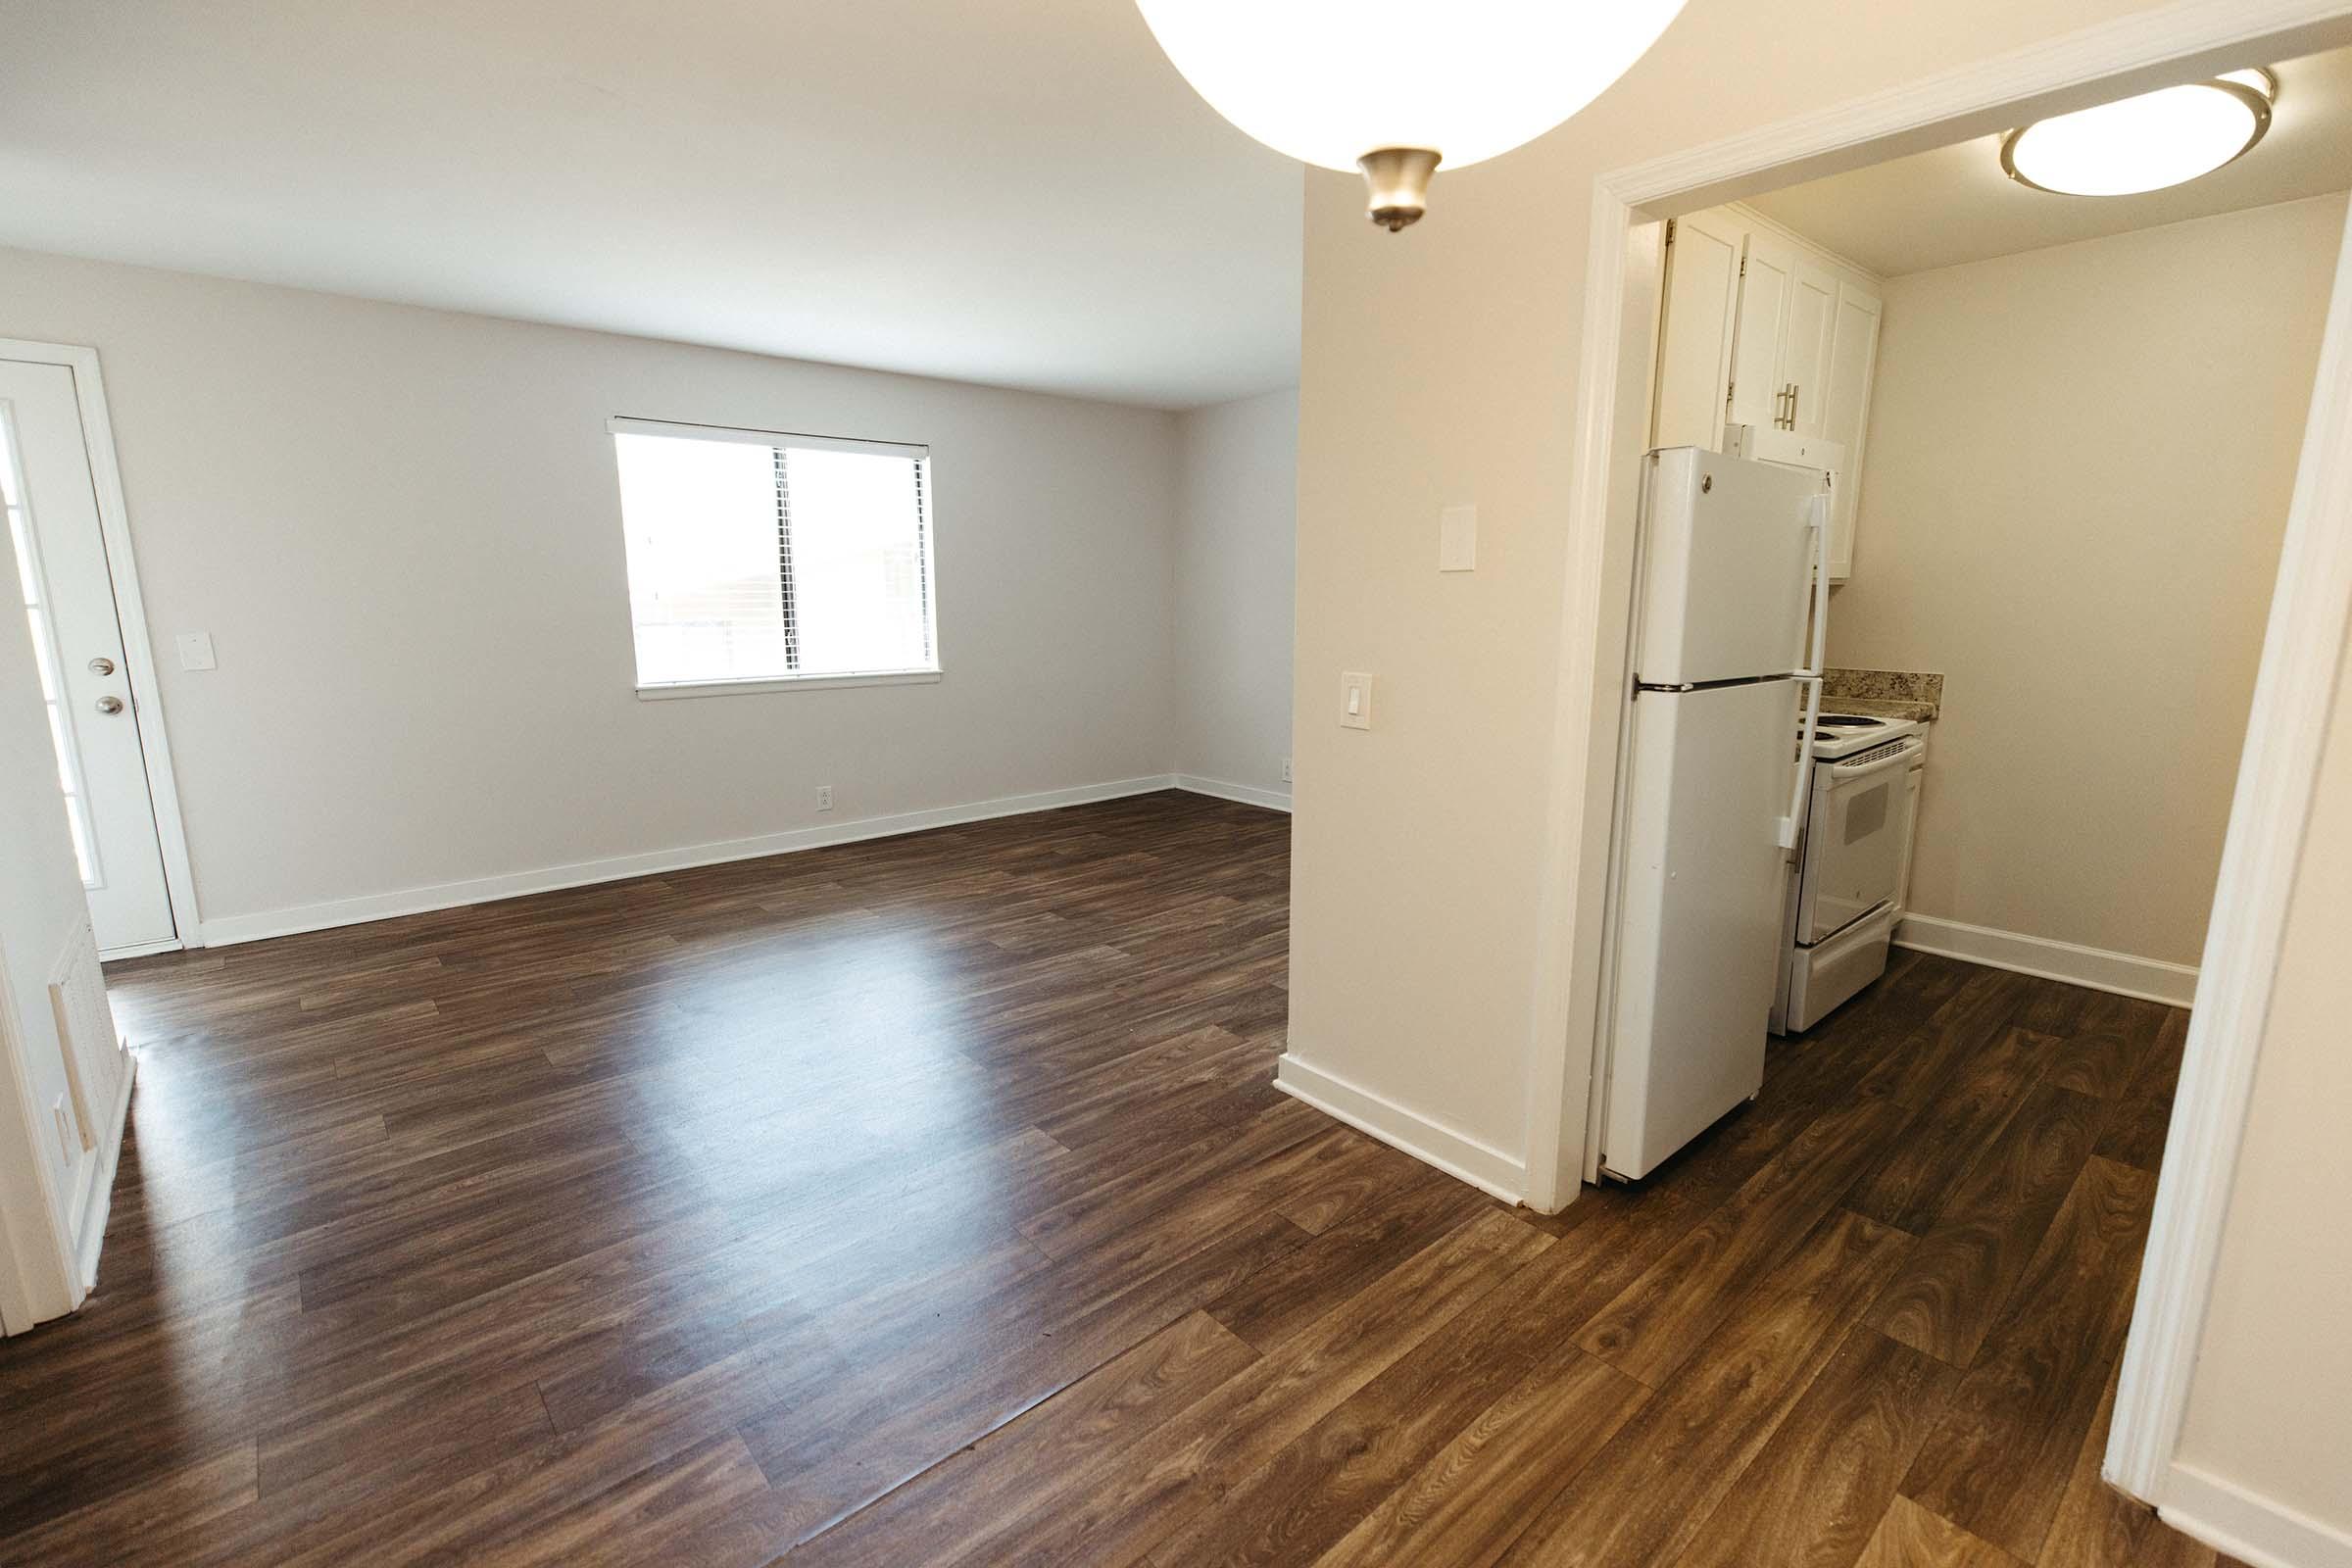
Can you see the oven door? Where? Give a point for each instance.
(1854, 836)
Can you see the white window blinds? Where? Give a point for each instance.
(756, 556)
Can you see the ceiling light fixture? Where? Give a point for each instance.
(2160, 138)
(1397, 87)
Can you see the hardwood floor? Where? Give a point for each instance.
(928, 1202)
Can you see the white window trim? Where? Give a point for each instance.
(626, 424)
(623, 425)
(787, 683)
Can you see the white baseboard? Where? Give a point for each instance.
(140, 950)
(2253, 1528)
(2151, 979)
(102, 1198)
(1247, 793)
(224, 931)
(1481, 1165)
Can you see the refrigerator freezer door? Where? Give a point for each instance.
(1727, 568)
(1700, 915)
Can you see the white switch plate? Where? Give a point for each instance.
(1356, 700)
(196, 650)
(1457, 539)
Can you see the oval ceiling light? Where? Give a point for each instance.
(2160, 138)
(1395, 87)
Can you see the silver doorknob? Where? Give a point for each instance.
(110, 704)
(102, 666)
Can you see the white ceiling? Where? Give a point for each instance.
(1021, 194)
(1954, 205)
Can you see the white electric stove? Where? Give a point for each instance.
(1852, 861)
(1839, 735)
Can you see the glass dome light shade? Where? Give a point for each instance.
(1327, 81)
(2166, 137)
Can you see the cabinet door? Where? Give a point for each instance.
(1853, 356)
(1805, 346)
(1765, 281)
(1695, 332)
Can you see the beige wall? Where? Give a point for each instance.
(2078, 469)
(2269, 1410)
(1236, 516)
(1440, 366)
(402, 528)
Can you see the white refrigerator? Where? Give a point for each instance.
(1729, 601)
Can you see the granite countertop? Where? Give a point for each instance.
(1884, 693)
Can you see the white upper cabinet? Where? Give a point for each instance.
(1803, 375)
(1758, 328)
(1766, 282)
(1845, 411)
(1694, 343)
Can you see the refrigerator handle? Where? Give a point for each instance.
(1818, 520)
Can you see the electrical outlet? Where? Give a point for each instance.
(824, 796)
(1286, 771)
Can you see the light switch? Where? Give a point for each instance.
(196, 650)
(1457, 539)
(1356, 700)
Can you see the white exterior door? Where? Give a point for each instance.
(65, 592)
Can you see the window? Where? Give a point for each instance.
(44, 653)
(758, 560)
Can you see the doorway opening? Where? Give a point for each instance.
(2305, 621)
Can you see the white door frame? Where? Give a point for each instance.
(2309, 617)
(130, 609)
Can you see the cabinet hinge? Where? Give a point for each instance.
(1670, 231)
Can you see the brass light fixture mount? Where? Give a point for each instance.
(1397, 179)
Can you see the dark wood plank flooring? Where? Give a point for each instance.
(928, 1202)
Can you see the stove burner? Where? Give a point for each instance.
(1851, 722)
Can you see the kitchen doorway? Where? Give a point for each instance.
(79, 595)
(2309, 611)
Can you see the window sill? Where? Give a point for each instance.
(787, 683)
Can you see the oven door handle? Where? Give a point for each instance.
(1843, 774)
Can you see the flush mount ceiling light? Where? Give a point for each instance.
(2160, 138)
(1395, 87)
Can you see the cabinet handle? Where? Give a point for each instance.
(1795, 392)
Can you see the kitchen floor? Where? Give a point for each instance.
(927, 1202)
